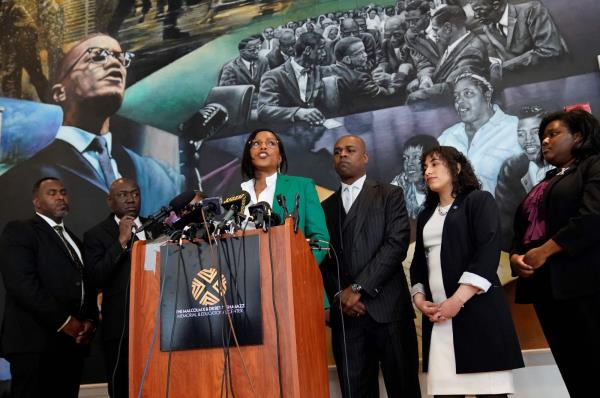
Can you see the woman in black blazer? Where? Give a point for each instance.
(469, 342)
(556, 247)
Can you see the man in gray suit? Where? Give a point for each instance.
(371, 314)
(520, 35)
(248, 67)
(464, 52)
(285, 49)
(293, 91)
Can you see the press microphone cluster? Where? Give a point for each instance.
(294, 215)
(176, 204)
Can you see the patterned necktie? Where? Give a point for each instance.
(347, 199)
(72, 252)
(309, 83)
(99, 145)
(252, 69)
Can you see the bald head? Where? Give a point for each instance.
(350, 158)
(393, 23)
(349, 27)
(124, 198)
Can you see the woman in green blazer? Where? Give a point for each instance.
(263, 162)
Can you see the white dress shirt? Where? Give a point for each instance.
(266, 195)
(301, 78)
(503, 23)
(350, 192)
(81, 140)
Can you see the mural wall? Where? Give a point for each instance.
(475, 74)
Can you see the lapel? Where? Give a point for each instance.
(281, 187)
(242, 68)
(291, 82)
(111, 226)
(53, 235)
(124, 161)
(71, 160)
(443, 69)
(512, 21)
(359, 210)
(555, 179)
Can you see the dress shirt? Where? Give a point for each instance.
(248, 66)
(73, 245)
(491, 145)
(266, 195)
(451, 47)
(301, 78)
(350, 192)
(81, 140)
(503, 22)
(138, 223)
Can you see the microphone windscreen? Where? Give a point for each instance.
(181, 200)
(239, 199)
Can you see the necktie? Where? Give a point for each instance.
(347, 199)
(252, 69)
(70, 249)
(501, 29)
(99, 145)
(308, 72)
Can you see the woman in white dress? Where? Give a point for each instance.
(469, 341)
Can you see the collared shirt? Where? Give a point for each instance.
(301, 78)
(81, 140)
(491, 145)
(138, 223)
(267, 195)
(350, 192)
(247, 64)
(534, 175)
(452, 46)
(73, 245)
(503, 22)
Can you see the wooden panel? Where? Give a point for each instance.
(198, 373)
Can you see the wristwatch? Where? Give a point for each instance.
(356, 288)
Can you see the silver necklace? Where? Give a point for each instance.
(442, 212)
(562, 170)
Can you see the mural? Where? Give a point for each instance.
(192, 78)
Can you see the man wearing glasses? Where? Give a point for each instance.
(90, 88)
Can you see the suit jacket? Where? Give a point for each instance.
(358, 92)
(532, 37)
(43, 286)
(275, 58)
(107, 269)
(470, 55)
(279, 97)
(484, 335)
(311, 218)
(158, 183)
(424, 53)
(372, 48)
(572, 215)
(235, 73)
(370, 242)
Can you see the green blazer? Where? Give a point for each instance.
(310, 213)
(312, 219)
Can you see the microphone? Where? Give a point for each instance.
(205, 123)
(234, 205)
(295, 216)
(281, 201)
(263, 215)
(211, 206)
(176, 204)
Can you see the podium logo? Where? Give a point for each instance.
(207, 287)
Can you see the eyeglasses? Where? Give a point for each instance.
(99, 55)
(255, 144)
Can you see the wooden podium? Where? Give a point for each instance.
(298, 296)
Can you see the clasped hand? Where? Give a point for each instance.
(81, 331)
(441, 312)
(351, 304)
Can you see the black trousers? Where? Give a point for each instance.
(53, 373)
(369, 345)
(117, 372)
(571, 328)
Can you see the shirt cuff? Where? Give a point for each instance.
(469, 278)
(64, 324)
(417, 288)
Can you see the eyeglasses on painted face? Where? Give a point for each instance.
(99, 55)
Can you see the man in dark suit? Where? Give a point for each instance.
(358, 91)
(85, 155)
(293, 92)
(248, 68)
(49, 310)
(372, 318)
(107, 257)
(521, 35)
(278, 55)
(464, 52)
(349, 27)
